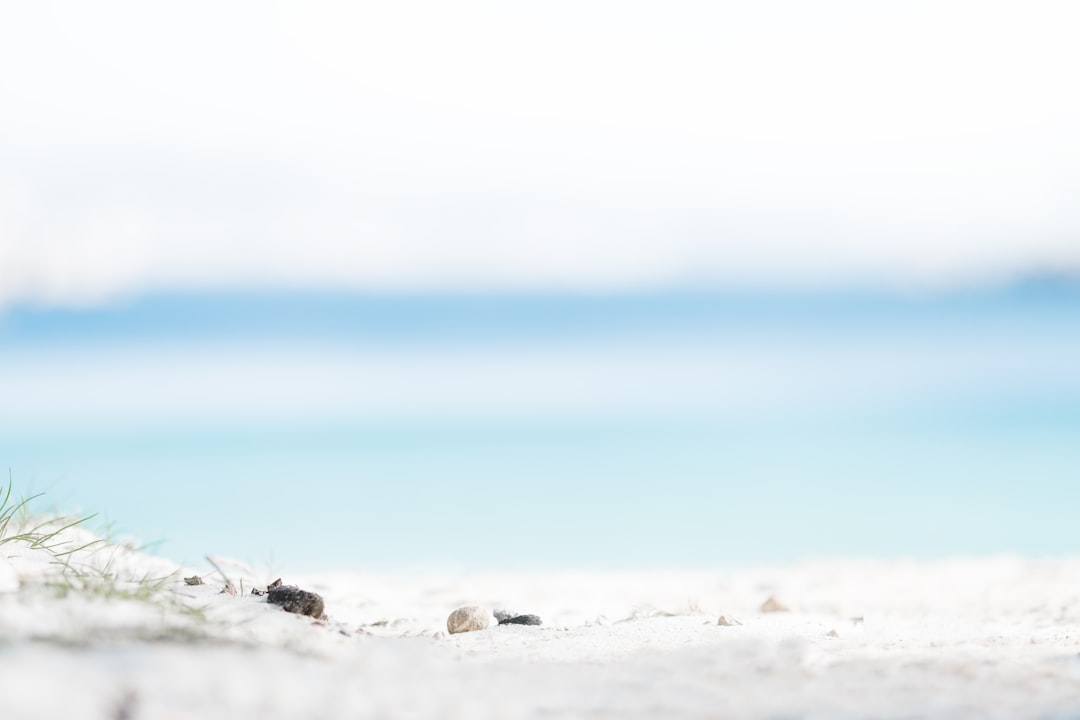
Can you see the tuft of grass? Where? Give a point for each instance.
(41, 536)
(82, 569)
(16, 528)
(106, 582)
(8, 512)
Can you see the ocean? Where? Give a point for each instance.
(309, 431)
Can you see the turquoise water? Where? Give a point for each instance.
(692, 430)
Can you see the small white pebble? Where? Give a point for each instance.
(469, 618)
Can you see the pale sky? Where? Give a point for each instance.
(584, 146)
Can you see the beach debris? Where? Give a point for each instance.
(229, 588)
(271, 586)
(773, 605)
(727, 622)
(293, 599)
(194, 580)
(505, 617)
(467, 619)
(521, 620)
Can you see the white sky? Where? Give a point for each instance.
(544, 146)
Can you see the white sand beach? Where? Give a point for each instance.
(114, 633)
(736, 343)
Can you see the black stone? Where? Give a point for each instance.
(293, 599)
(521, 620)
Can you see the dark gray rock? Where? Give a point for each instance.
(293, 599)
(521, 620)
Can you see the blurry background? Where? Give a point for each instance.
(589, 284)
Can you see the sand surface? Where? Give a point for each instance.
(113, 633)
